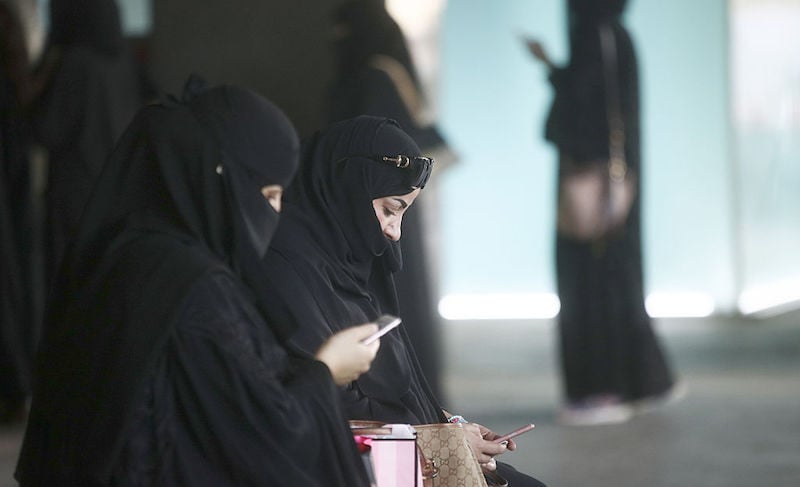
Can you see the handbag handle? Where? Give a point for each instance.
(617, 167)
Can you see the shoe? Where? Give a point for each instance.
(597, 410)
(674, 394)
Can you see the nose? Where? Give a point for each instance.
(392, 231)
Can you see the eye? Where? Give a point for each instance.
(388, 211)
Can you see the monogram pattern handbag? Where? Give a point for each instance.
(446, 445)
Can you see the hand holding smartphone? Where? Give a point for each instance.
(514, 433)
(386, 323)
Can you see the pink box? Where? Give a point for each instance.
(394, 458)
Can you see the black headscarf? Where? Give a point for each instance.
(336, 186)
(163, 214)
(331, 266)
(90, 23)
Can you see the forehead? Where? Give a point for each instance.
(407, 198)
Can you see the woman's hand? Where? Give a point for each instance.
(345, 355)
(479, 438)
(538, 51)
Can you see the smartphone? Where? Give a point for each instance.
(514, 433)
(386, 323)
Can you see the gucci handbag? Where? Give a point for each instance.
(446, 446)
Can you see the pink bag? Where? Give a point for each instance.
(395, 456)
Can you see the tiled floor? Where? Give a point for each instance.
(738, 426)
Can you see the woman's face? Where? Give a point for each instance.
(273, 193)
(390, 211)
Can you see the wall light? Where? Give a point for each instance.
(770, 299)
(546, 306)
(499, 306)
(679, 305)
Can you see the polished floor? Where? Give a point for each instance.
(738, 426)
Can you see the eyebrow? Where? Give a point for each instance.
(403, 204)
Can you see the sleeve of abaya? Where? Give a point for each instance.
(293, 302)
(261, 417)
(577, 121)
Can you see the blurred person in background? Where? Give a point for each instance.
(16, 221)
(93, 90)
(611, 360)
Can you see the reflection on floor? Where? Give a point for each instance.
(738, 426)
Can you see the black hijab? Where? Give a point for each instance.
(331, 266)
(337, 184)
(90, 23)
(162, 215)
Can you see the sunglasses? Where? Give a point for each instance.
(421, 165)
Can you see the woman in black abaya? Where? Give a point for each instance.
(156, 366)
(332, 262)
(93, 92)
(611, 359)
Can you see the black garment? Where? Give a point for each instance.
(183, 180)
(93, 94)
(15, 351)
(17, 316)
(330, 267)
(607, 342)
(376, 76)
(193, 412)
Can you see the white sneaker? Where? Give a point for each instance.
(647, 404)
(595, 411)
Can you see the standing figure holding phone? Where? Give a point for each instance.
(610, 357)
(332, 262)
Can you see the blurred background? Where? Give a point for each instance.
(720, 83)
(721, 132)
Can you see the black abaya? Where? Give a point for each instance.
(192, 426)
(17, 296)
(606, 339)
(91, 98)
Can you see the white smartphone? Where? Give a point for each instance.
(386, 323)
(514, 433)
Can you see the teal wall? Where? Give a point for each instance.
(498, 204)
